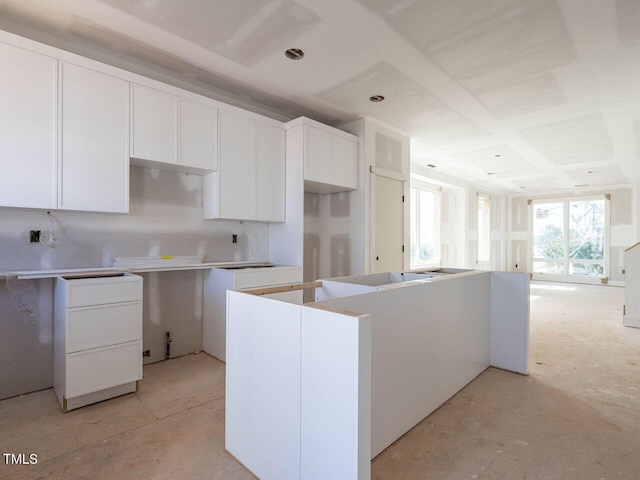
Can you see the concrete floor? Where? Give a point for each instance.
(576, 416)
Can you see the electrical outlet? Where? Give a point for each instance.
(34, 236)
(234, 238)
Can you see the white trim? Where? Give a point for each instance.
(383, 172)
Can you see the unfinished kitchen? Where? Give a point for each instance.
(282, 239)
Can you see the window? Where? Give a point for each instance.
(484, 228)
(424, 225)
(570, 237)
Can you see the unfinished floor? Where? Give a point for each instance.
(576, 416)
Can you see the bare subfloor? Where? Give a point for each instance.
(576, 416)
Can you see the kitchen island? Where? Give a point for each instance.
(317, 390)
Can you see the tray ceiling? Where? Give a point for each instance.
(520, 95)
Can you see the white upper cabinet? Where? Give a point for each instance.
(235, 183)
(269, 171)
(172, 132)
(94, 162)
(28, 90)
(249, 183)
(317, 158)
(154, 125)
(344, 162)
(330, 158)
(198, 135)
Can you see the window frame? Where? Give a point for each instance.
(418, 186)
(566, 261)
(485, 255)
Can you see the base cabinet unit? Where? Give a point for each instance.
(219, 280)
(97, 352)
(250, 181)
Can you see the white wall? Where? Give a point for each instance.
(459, 217)
(165, 219)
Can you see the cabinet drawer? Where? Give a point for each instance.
(280, 276)
(253, 277)
(101, 368)
(103, 290)
(91, 327)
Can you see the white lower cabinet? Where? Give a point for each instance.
(216, 283)
(97, 339)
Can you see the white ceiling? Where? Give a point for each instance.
(523, 95)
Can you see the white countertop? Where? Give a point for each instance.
(36, 274)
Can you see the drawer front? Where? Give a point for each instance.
(254, 277)
(99, 291)
(282, 275)
(101, 368)
(92, 327)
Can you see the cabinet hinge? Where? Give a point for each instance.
(402, 198)
(403, 248)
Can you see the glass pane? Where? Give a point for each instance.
(548, 227)
(586, 269)
(413, 225)
(586, 230)
(427, 240)
(548, 267)
(484, 228)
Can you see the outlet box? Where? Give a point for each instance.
(34, 236)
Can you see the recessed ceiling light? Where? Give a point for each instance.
(523, 187)
(376, 98)
(582, 185)
(431, 165)
(497, 155)
(294, 54)
(590, 171)
(491, 173)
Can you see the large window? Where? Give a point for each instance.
(484, 228)
(425, 226)
(570, 237)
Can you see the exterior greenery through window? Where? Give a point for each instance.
(424, 226)
(569, 237)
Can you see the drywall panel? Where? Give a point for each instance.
(26, 336)
(335, 420)
(621, 207)
(519, 214)
(263, 385)
(510, 321)
(165, 219)
(427, 342)
(172, 302)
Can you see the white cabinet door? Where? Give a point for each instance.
(198, 135)
(154, 129)
(317, 158)
(344, 162)
(27, 128)
(269, 172)
(235, 182)
(94, 164)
